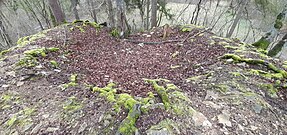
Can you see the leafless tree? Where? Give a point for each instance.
(153, 13)
(57, 11)
(237, 18)
(111, 13)
(74, 4)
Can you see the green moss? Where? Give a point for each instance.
(231, 47)
(266, 74)
(77, 21)
(115, 33)
(221, 87)
(161, 92)
(236, 73)
(54, 64)
(73, 77)
(223, 43)
(72, 105)
(199, 77)
(80, 28)
(190, 27)
(30, 59)
(52, 49)
(270, 66)
(127, 126)
(278, 24)
(29, 39)
(174, 101)
(4, 52)
(271, 90)
(236, 58)
(72, 83)
(84, 24)
(21, 118)
(36, 52)
(94, 25)
(262, 43)
(12, 121)
(169, 125)
(222, 38)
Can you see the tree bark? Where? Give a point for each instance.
(269, 37)
(237, 18)
(147, 14)
(111, 13)
(57, 11)
(153, 13)
(5, 35)
(74, 4)
(278, 47)
(94, 12)
(196, 13)
(122, 22)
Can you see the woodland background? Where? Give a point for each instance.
(247, 20)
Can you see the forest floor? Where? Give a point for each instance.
(180, 83)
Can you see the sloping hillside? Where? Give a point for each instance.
(79, 79)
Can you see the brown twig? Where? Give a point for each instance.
(143, 42)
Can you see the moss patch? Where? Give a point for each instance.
(21, 118)
(167, 126)
(190, 27)
(72, 105)
(72, 83)
(29, 39)
(126, 101)
(162, 91)
(30, 59)
(270, 66)
(262, 43)
(80, 24)
(271, 90)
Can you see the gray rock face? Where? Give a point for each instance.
(163, 131)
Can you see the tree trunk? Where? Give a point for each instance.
(57, 11)
(74, 4)
(237, 18)
(278, 47)
(196, 13)
(147, 13)
(153, 13)
(111, 13)
(269, 37)
(5, 35)
(94, 12)
(121, 18)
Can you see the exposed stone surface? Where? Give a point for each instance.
(207, 94)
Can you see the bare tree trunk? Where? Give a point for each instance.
(57, 11)
(5, 35)
(278, 47)
(74, 4)
(269, 37)
(196, 13)
(147, 14)
(237, 18)
(94, 13)
(153, 13)
(122, 22)
(29, 7)
(111, 13)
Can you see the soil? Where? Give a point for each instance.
(99, 59)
